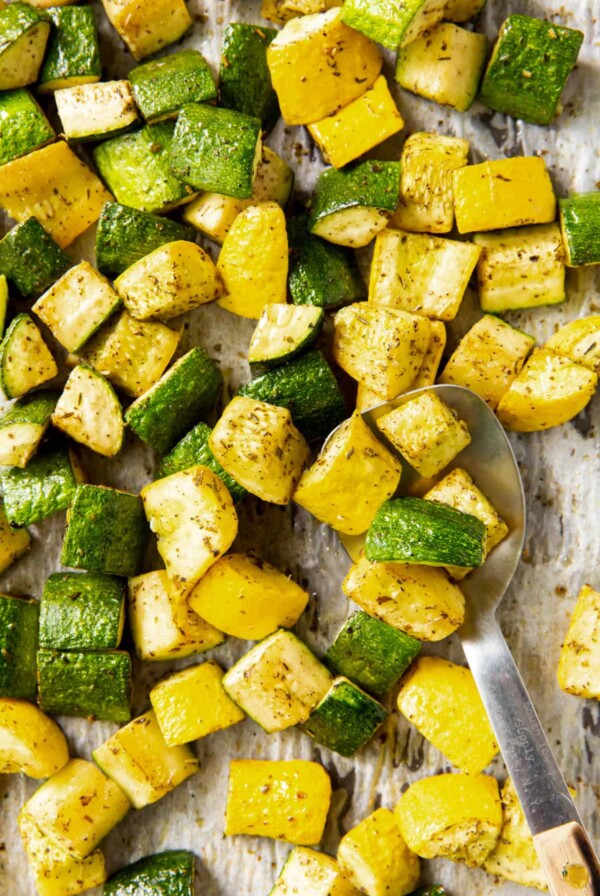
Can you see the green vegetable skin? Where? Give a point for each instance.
(321, 273)
(73, 53)
(34, 410)
(244, 79)
(46, 485)
(162, 87)
(85, 683)
(384, 21)
(164, 874)
(194, 450)
(413, 530)
(369, 184)
(23, 427)
(18, 645)
(23, 125)
(31, 259)
(81, 610)
(345, 719)
(580, 222)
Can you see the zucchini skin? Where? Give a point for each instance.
(18, 645)
(164, 874)
(81, 610)
(162, 87)
(580, 222)
(24, 125)
(30, 258)
(36, 409)
(413, 530)
(72, 50)
(308, 388)
(85, 683)
(46, 485)
(370, 184)
(345, 719)
(244, 77)
(321, 273)
(194, 450)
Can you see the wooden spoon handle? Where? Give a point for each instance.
(569, 861)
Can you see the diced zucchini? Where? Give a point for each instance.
(488, 358)
(578, 667)
(421, 273)
(171, 280)
(195, 522)
(529, 67)
(23, 427)
(312, 873)
(253, 263)
(391, 23)
(137, 758)
(579, 340)
(282, 332)
(445, 65)
(30, 742)
(24, 125)
(382, 347)
(455, 817)
(164, 86)
(429, 368)
(31, 259)
(192, 451)
(73, 54)
(106, 531)
(351, 206)
(503, 193)
(436, 689)
(345, 719)
(281, 11)
(4, 297)
(163, 627)
(56, 872)
(259, 446)
(55, 186)
(25, 360)
(320, 273)
(82, 610)
(96, 111)
(287, 800)
(579, 221)
(137, 171)
(244, 77)
(90, 412)
(418, 600)
(376, 858)
(23, 38)
(148, 27)
(358, 127)
(164, 874)
(247, 598)
(87, 683)
(514, 856)
(13, 544)
(45, 486)
(549, 391)
(351, 478)
(278, 682)
(18, 644)
(462, 10)
(76, 807)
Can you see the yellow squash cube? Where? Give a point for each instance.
(352, 477)
(549, 390)
(376, 858)
(426, 432)
(13, 542)
(286, 800)
(318, 65)
(56, 187)
(418, 600)
(311, 873)
(192, 703)
(442, 701)
(55, 872)
(429, 368)
(364, 123)
(515, 857)
(247, 597)
(281, 11)
(503, 193)
(30, 742)
(259, 446)
(579, 340)
(162, 626)
(457, 817)
(579, 662)
(149, 26)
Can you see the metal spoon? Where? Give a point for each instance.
(564, 848)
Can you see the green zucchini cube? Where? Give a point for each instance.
(529, 67)
(244, 78)
(23, 37)
(321, 273)
(194, 450)
(30, 258)
(106, 533)
(24, 125)
(124, 235)
(136, 169)
(73, 54)
(82, 610)
(24, 426)
(96, 111)
(393, 23)
(345, 719)
(164, 874)
(216, 150)
(580, 224)
(371, 653)
(18, 645)
(164, 86)
(45, 486)
(88, 683)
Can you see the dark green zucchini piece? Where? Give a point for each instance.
(321, 273)
(73, 54)
(244, 78)
(24, 426)
(216, 150)
(25, 360)
(124, 235)
(89, 683)
(431, 890)
(392, 23)
(164, 86)
(580, 223)
(106, 533)
(413, 530)
(345, 719)
(308, 388)
(164, 874)
(23, 37)
(529, 67)
(23, 125)
(371, 653)
(30, 258)
(82, 610)
(18, 646)
(45, 486)
(184, 394)
(194, 450)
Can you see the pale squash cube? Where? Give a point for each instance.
(311, 873)
(281, 11)
(462, 10)
(433, 356)
(30, 742)
(352, 477)
(579, 340)
(149, 26)
(579, 662)
(56, 872)
(13, 542)
(376, 858)
(515, 857)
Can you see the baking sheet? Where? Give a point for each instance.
(561, 474)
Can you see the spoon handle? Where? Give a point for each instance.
(569, 861)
